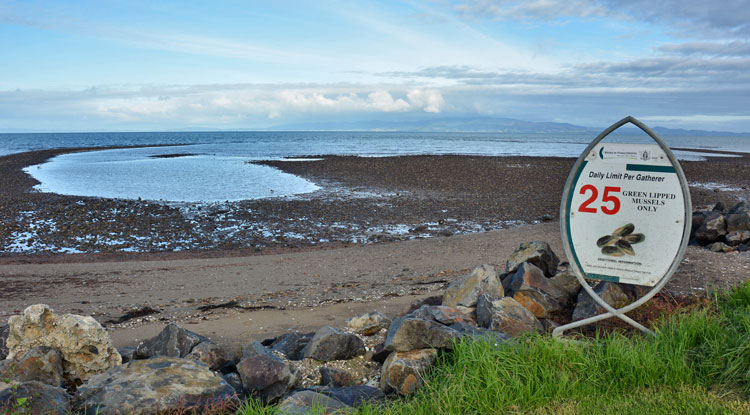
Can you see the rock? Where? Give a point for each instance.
(403, 371)
(739, 221)
(42, 364)
(148, 386)
(331, 344)
(536, 292)
(263, 374)
(713, 228)
(442, 314)
(292, 344)
(336, 377)
(380, 353)
(208, 353)
(735, 238)
(466, 290)
(40, 398)
(537, 253)
(354, 395)
(409, 333)
(506, 315)
(127, 354)
(612, 293)
(720, 247)
(369, 324)
(698, 219)
(4, 330)
(479, 333)
(173, 341)
(234, 380)
(719, 207)
(567, 280)
(739, 208)
(308, 402)
(84, 345)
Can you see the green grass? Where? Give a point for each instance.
(698, 363)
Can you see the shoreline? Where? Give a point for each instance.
(363, 200)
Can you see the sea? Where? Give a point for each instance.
(217, 166)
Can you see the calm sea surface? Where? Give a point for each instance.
(214, 166)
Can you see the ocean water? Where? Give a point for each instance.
(214, 167)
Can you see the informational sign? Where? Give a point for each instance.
(626, 213)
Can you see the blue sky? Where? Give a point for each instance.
(135, 65)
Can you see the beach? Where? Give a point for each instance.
(380, 234)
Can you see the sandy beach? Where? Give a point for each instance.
(383, 233)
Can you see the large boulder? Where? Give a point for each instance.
(738, 218)
(409, 333)
(208, 353)
(83, 343)
(538, 253)
(331, 376)
(735, 238)
(567, 280)
(442, 314)
(506, 315)
(37, 398)
(713, 228)
(148, 386)
(308, 402)
(172, 341)
(369, 324)
(42, 363)
(264, 374)
(612, 293)
(331, 344)
(480, 333)
(536, 292)
(465, 291)
(403, 372)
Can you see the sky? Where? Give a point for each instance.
(107, 65)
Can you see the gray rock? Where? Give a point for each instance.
(173, 341)
(567, 280)
(713, 228)
(403, 372)
(234, 380)
(536, 292)
(612, 293)
(466, 290)
(4, 329)
(208, 353)
(480, 333)
(735, 238)
(369, 324)
(331, 344)
(355, 395)
(720, 247)
(442, 314)
(506, 315)
(538, 253)
(336, 377)
(698, 219)
(41, 398)
(83, 343)
(739, 208)
(409, 333)
(307, 402)
(292, 344)
(145, 386)
(265, 375)
(739, 221)
(42, 364)
(127, 353)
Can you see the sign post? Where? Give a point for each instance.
(625, 217)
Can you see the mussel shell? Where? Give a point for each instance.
(606, 240)
(634, 238)
(612, 250)
(626, 229)
(625, 247)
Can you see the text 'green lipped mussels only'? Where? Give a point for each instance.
(620, 241)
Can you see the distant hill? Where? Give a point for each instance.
(477, 124)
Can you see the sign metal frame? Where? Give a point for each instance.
(565, 232)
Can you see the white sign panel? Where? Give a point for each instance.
(625, 214)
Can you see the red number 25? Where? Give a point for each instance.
(607, 197)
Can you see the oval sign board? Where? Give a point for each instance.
(626, 212)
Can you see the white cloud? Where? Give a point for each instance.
(430, 99)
